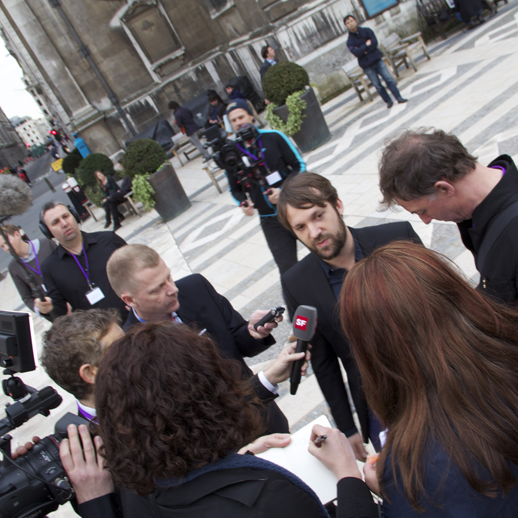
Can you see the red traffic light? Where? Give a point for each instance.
(53, 132)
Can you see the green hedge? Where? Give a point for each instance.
(71, 162)
(143, 156)
(282, 80)
(92, 163)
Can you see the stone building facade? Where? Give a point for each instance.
(108, 68)
(33, 132)
(12, 149)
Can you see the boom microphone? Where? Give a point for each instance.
(15, 195)
(304, 325)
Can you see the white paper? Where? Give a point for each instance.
(273, 178)
(94, 296)
(297, 459)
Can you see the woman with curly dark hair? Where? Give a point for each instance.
(439, 365)
(172, 415)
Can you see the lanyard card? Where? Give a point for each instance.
(273, 178)
(94, 295)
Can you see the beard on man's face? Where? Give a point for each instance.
(335, 245)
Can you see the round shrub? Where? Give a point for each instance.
(92, 163)
(143, 156)
(282, 80)
(71, 162)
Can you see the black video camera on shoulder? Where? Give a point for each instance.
(34, 484)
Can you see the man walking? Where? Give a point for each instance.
(363, 44)
(434, 176)
(185, 121)
(309, 206)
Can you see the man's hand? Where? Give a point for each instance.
(44, 307)
(22, 450)
(274, 196)
(249, 209)
(371, 477)
(335, 453)
(275, 440)
(262, 331)
(86, 472)
(368, 42)
(280, 369)
(358, 447)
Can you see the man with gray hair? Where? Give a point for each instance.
(143, 281)
(431, 174)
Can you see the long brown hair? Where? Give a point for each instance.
(168, 403)
(439, 362)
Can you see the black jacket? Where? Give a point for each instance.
(280, 155)
(500, 275)
(110, 187)
(367, 54)
(183, 117)
(264, 68)
(66, 283)
(234, 493)
(203, 308)
(306, 283)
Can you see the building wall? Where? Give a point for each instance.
(12, 148)
(33, 131)
(150, 52)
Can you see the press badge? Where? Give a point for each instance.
(273, 178)
(94, 295)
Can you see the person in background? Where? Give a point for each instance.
(217, 111)
(108, 187)
(32, 253)
(439, 365)
(233, 93)
(363, 44)
(268, 54)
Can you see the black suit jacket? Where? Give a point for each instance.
(264, 68)
(202, 307)
(306, 283)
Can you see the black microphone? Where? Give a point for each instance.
(304, 326)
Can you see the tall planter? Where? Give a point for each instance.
(314, 131)
(169, 196)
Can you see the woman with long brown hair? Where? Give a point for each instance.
(439, 364)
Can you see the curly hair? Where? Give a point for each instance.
(168, 403)
(75, 340)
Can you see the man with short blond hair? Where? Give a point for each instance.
(143, 281)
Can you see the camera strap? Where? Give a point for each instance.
(255, 158)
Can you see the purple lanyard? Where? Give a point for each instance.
(251, 155)
(38, 271)
(85, 273)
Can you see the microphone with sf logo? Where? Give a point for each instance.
(304, 325)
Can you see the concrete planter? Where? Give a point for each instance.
(313, 131)
(170, 197)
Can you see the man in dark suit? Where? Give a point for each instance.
(144, 283)
(309, 206)
(434, 176)
(268, 54)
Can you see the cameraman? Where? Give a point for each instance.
(273, 158)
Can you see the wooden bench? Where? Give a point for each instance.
(435, 14)
(399, 51)
(358, 79)
(213, 177)
(88, 205)
(131, 206)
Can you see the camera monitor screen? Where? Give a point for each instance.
(15, 342)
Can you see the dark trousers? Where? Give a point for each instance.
(377, 70)
(281, 242)
(114, 201)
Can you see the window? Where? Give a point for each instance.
(375, 7)
(153, 35)
(217, 7)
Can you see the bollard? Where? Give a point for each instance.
(49, 184)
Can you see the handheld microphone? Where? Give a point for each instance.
(304, 326)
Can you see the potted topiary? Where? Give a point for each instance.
(155, 182)
(294, 107)
(71, 162)
(90, 164)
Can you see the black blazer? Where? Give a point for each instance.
(306, 283)
(202, 307)
(264, 68)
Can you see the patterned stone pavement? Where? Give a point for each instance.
(469, 87)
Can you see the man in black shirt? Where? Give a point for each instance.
(75, 272)
(434, 176)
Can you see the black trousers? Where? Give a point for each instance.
(116, 199)
(281, 242)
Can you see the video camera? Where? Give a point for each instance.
(36, 483)
(229, 155)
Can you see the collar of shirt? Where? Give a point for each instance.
(86, 411)
(336, 276)
(30, 256)
(88, 240)
(272, 61)
(174, 317)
